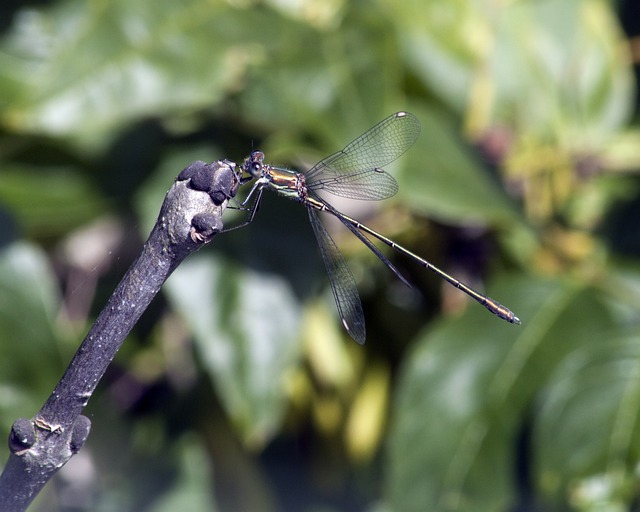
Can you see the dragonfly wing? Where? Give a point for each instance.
(356, 171)
(343, 284)
(367, 184)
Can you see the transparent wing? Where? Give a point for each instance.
(356, 171)
(342, 281)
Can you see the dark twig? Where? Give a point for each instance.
(189, 218)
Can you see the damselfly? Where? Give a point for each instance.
(356, 173)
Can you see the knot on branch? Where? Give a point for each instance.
(80, 433)
(22, 437)
(193, 207)
(218, 179)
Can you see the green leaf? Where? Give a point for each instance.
(548, 67)
(86, 68)
(439, 177)
(245, 326)
(192, 489)
(587, 432)
(465, 391)
(48, 201)
(31, 355)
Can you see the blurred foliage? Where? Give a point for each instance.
(238, 389)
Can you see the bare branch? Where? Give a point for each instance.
(189, 218)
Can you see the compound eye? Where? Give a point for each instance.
(256, 168)
(257, 156)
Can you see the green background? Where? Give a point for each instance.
(238, 389)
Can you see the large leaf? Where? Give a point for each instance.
(245, 325)
(440, 178)
(31, 355)
(551, 66)
(82, 68)
(48, 200)
(465, 392)
(587, 438)
(192, 490)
